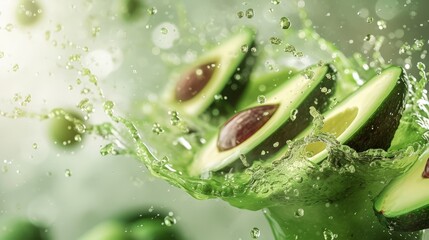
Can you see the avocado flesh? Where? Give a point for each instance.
(298, 93)
(262, 85)
(229, 70)
(403, 205)
(366, 119)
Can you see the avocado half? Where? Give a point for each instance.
(262, 129)
(213, 83)
(403, 205)
(366, 119)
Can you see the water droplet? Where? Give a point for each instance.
(298, 54)
(299, 179)
(68, 173)
(164, 30)
(15, 67)
(152, 10)
(368, 37)
(174, 118)
(275, 2)
(9, 27)
(157, 129)
(35, 146)
(329, 235)
(255, 233)
(275, 40)
(261, 99)
(250, 13)
(381, 24)
(169, 221)
(299, 213)
(369, 19)
(421, 66)
(240, 14)
(95, 31)
(293, 114)
(296, 192)
(1, 54)
(244, 48)
(308, 74)
(285, 23)
(289, 48)
(243, 160)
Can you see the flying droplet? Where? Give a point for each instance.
(381, 24)
(255, 233)
(285, 23)
(299, 213)
(157, 129)
(261, 99)
(250, 13)
(240, 14)
(275, 41)
(68, 173)
(368, 37)
(152, 10)
(369, 19)
(169, 221)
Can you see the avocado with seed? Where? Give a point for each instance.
(366, 119)
(369, 117)
(403, 205)
(213, 83)
(263, 128)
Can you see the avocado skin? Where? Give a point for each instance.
(234, 88)
(412, 221)
(383, 123)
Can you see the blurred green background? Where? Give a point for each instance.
(133, 47)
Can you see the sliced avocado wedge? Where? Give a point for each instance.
(260, 130)
(403, 205)
(213, 83)
(366, 119)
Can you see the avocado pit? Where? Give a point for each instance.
(193, 81)
(243, 125)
